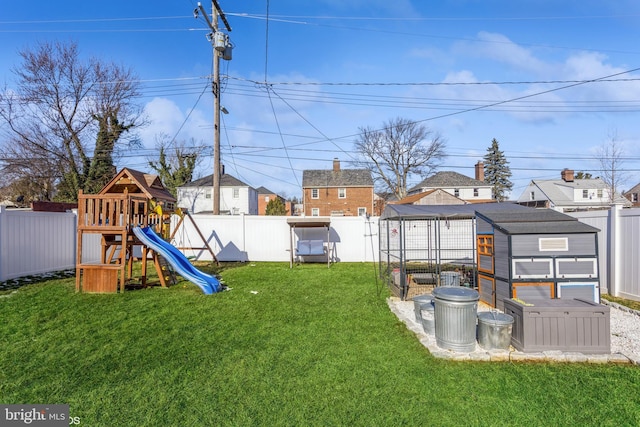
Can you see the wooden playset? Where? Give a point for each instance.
(130, 199)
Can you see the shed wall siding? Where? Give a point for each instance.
(503, 291)
(528, 245)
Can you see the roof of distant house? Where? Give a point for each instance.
(263, 190)
(448, 179)
(339, 178)
(226, 180)
(413, 198)
(551, 189)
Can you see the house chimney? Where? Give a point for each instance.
(480, 171)
(567, 175)
(336, 165)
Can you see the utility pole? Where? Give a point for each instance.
(220, 43)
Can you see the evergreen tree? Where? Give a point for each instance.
(276, 207)
(497, 171)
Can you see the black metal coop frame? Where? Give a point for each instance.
(422, 247)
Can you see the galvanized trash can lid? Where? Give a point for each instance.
(422, 298)
(456, 293)
(495, 318)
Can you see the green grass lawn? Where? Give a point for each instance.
(302, 346)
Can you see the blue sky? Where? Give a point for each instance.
(520, 72)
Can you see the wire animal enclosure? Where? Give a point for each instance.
(418, 253)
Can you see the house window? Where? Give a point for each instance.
(236, 193)
(456, 192)
(342, 193)
(207, 194)
(315, 193)
(362, 211)
(634, 197)
(315, 212)
(475, 192)
(532, 195)
(585, 194)
(266, 199)
(600, 193)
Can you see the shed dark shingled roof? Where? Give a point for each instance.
(538, 221)
(340, 178)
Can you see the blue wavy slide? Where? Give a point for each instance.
(208, 283)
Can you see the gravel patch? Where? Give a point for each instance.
(625, 339)
(625, 331)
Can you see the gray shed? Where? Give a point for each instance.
(424, 246)
(538, 254)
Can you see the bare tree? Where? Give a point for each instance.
(176, 161)
(400, 149)
(610, 155)
(65, 118)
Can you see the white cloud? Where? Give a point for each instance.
(498, 47)
(166, 117)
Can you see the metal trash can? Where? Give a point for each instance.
(455, 314)
(418, 302)
(494, 330)
(449, 278)
(423, 309)
(428, 318)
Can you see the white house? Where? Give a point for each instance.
(569, 194)
(468, 189)
(236, 197)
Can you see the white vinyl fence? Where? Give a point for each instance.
(39, 242)
(619, 248)
(267, 238)
(35, 242)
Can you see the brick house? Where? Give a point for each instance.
(265, 196)
(337, 192)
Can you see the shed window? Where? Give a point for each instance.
(576, 267)
(532, 268)
(485, 253)
(553, 244)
